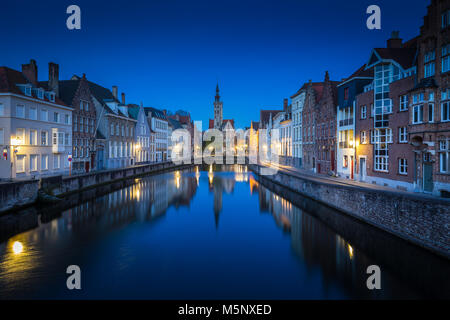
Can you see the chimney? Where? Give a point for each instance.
(123, 98)
(30, 71)
(114, 92)
(53, 77)
(285, 104)
(395, 41)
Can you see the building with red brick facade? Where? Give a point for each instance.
(76, 93)
(319, 130)
(326, 128)
(429, 102)
(383, 153)
(309, 114)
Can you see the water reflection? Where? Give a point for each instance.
(159, 225)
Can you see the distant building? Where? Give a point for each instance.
(159, 124)
(143, 134)
(313, 94)
(35, 126)
(298, 101)
(173, 146)
(326, 127)
(116, 143)
(218, 110)
(265, 133)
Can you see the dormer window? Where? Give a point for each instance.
(50, 96)
(39, 93)
(25, 88)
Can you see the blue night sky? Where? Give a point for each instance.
(170, 53)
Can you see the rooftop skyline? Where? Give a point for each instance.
(170, 55)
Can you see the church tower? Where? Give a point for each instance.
(218, 110)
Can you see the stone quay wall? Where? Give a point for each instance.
(18, 194)
(422, 220)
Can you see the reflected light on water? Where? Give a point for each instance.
(350, 251)
(177, 179)
(17, 247)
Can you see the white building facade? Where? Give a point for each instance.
(298, 100)
(35, 127)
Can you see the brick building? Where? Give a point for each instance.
(429, 102)
(309, 116)
(383, 153)
(76, 94)
(326, 127)
(319, 129)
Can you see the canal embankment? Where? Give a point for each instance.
(20, 194)
(421, 220)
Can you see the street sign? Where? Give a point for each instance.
(69, 158)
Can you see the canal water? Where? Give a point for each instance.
(206, 233)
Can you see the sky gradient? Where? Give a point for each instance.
(171, 53)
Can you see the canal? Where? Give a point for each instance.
(206, 233)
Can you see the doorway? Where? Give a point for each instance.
(362, 169)
(427, 177)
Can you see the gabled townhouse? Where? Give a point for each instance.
(265, 133)
(160, 126)
(384, 155)
(282, 122)
(184, 118)
(143, 134)
(116, 129)
(76, 94)
(326, 127)
(348, 89)
(35, 126)
(174, 145)
(313, 95)
(298, 101)
(429, 104)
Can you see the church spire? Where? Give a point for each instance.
(217, 92)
